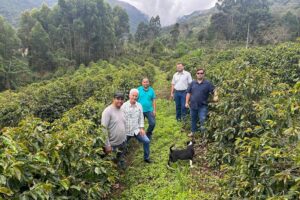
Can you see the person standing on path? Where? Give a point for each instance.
(133, 112)
(180, 82)
(196, 99)
(113, 122)
(147, 99)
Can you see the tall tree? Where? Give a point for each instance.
(27, 22)
(11, 68)
(154, 27)
(40, 57)
(292, 23)
(8, 40)
(141, 32)
(241, 19)
(121, 22)
(175, 34)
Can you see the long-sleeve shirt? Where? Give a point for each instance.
(134, 117)
(113, 121)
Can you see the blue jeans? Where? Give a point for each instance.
(151, 121)
(146, 143)
(200, 113)
(179, 98)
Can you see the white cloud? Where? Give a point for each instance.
(170, 10)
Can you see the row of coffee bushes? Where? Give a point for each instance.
(59, 160)
(63, 158)
(253, 131)
(50, 99)
(266, 162)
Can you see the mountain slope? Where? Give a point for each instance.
(135, 15)
(281, 7)
(11, 10)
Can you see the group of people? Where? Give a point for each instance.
(192, 94)
(124, 121)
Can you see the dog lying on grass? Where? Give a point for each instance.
(184, 154)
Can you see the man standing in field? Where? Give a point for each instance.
(196, 99)
(180, 82)
(133, 113)
(113, 121)
(147, 99)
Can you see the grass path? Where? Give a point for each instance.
(155, 180)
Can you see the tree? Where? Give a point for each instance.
(141, 32)
(157, 48)
(175, 34)
(241, 20)
(26, 24)
(11, 68)
(8, 40)
(292, 22)
(121, 22)
(40, 57)
(154, 27)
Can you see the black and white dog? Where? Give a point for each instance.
(184, 154)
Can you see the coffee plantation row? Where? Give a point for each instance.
(55, 152)
(254, 131)
(51, 139)
(50, 99)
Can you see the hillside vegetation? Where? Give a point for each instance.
(251, 140)
(76, 55)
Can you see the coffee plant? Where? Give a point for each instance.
(56, 150)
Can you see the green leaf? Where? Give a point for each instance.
(6, 191)
(18, 173)
(65, 183)
(78, 188)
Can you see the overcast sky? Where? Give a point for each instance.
(170, 10)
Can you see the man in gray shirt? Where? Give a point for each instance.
(113, 121)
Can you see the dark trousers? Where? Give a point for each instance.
(151, 121)
(120, 154)
(179, 98)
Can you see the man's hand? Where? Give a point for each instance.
(107, 149)
(215, 96)
(154, 113)
(142, 132)
(171, 96)
(187, 105)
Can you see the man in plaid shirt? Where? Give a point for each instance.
(134, 118)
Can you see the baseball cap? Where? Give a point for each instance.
(119, 95)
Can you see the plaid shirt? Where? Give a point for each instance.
(134, 117)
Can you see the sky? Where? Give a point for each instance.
(170, 10)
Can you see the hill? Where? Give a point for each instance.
(12, 9)
(199, 20)
(135, 15)
(281, 7)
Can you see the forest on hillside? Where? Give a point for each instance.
(61, 65)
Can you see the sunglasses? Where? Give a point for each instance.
(200, 73)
